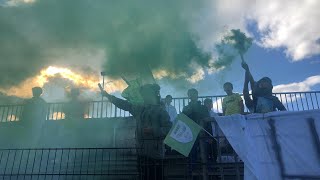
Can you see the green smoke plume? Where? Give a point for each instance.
(233, 44)
(239, 41)
(134, 34)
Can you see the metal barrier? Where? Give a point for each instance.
(10, 112)
(69, 163)
(293, 101)
(105, 163)
(124, 163)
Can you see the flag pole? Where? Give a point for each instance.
(242, 59)
(208, 133)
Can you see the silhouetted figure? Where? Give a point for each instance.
(152, 124)
(169, 108)
(35, 109)
(195, 110)
(34, 115)
(232, 103)
(262, 99)
(74, 109)
(199, 114)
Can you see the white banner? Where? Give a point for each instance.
(251, 138)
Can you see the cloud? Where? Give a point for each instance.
(289, 24)
(305, 85)
(197, 76)
(15, 2)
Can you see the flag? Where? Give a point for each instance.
(183, 134)
(135, 81)
(132, 92)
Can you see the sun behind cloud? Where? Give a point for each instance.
(78, 79)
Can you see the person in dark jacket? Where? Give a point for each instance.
(152, 124)
(34, 115)
(200, 115)
(262, 99)
(35, 109)
(195, 110)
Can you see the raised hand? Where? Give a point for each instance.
(103, 92)
(245, 65)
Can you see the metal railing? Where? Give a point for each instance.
(121, 161)
(105, 163)
(10, 113)
(293, 101)
(69, 163)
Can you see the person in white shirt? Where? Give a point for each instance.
(170, 109)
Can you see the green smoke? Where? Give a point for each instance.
(233, 44)
(134, 34)
(239, 41)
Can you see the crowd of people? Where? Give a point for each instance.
(154, 117)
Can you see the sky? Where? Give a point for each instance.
(173, 38)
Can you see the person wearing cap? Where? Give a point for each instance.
(262, 99)
(152, 125)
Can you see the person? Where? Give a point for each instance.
(34, 115)
(199, 114)
(209, 105)
(152, 124)
(195, 110)
(212, 143)
(232, 103)
(170, 109)
(35, 108)
(74, 109)
(262, 99)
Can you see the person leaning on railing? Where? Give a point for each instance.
(262, 99)
(153, 123)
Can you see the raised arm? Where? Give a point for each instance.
(248, 78)
(120, 103)
(248, 75)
